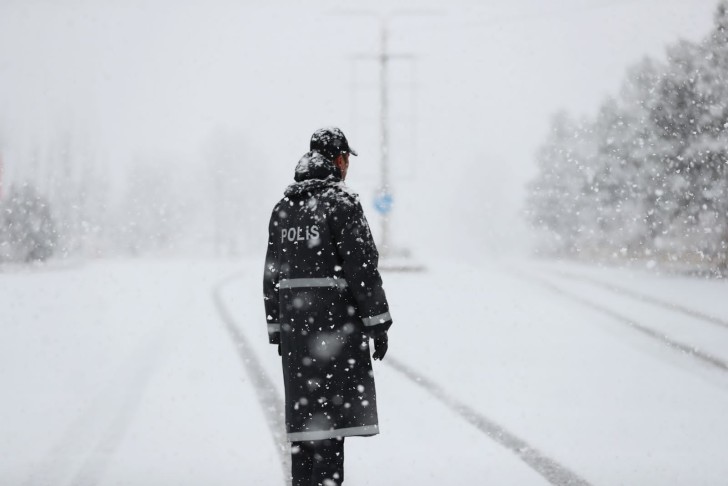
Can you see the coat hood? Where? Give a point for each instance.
(313, 171)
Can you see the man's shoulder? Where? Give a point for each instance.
(342, 194)
(284, 202)
(329, 192)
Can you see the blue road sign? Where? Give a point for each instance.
(383, 202)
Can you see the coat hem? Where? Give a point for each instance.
(365, 430)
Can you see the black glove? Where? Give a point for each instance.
(279, 349)
(381, 343)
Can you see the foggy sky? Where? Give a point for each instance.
(129, 78)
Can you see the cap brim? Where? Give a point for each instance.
(353, 152)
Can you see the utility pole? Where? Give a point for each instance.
(384, 197)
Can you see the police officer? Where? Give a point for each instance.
(324, 300)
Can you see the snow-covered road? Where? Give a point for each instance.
(155, 373)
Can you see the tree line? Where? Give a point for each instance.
(647, 176)
(58, 199)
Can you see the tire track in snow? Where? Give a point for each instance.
(645, 298)
(268, 398)
(548, 468)
(271, 403)
(692, 351)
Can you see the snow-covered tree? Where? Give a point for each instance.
(644, 153)
(27, 230)
(710, 148)
(649, 176)
(615, 195)
(555, 196)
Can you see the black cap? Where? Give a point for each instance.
(331, 142)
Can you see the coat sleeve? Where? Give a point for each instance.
(359, 260)
(271, 276)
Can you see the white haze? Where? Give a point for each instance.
(125, 84)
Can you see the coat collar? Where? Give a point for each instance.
(312, 172)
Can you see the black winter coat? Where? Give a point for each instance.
(323, 296)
